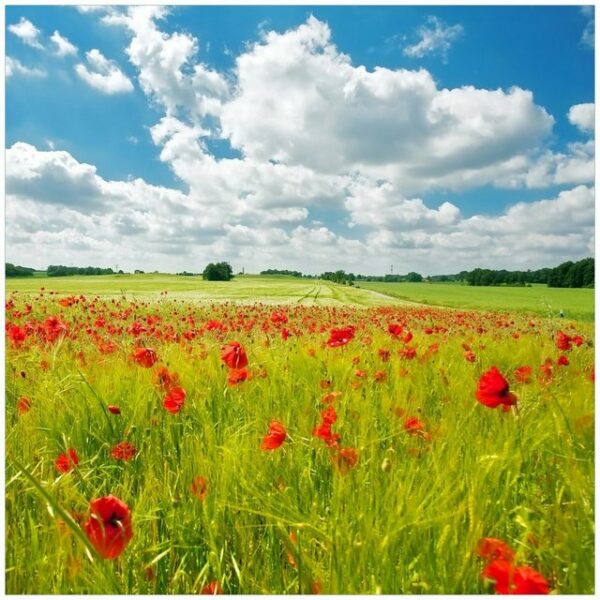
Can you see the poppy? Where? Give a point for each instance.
(577, 340)
(234, 355)
(145, 357)
(395, 330)
(323, 431)
(65, 462)
(174, 400)
(345, 459)
(200, 487)
(523, 374)
(109, 526)
(211, 589)
(469, 356)
(510, 579)
(123, 451)
(563, 341)
(275, 436)
(491, 549)
(236, 376)
(563, 361)
(492, 390)
(23, 405)
(340, 337)
(165, 380)
(413, 425)
(115, 410)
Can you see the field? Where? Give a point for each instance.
(340, 442)
(538, 299)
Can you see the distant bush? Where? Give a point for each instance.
(218, 272)
(62, 271)
(281, 272)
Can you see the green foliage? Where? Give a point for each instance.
(221, 271)
(281, 272)
(16, 271)
(62, 271)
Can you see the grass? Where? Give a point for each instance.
(246, 289)
(538, 299)
(405, 519)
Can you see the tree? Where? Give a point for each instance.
(221, 271)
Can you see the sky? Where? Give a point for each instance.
(433, 138)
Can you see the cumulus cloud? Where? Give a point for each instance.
(27, 32)
(63, 45)
(15, 67)
(103, 75)
(434, 38)
(582, 116)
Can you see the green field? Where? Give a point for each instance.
(248, 288)
(576, 304)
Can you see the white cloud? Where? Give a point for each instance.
(435, 37)
(15, 67)
(587, 37)
(103, 75)
(63, 45)
(27, 32)
(582, 116)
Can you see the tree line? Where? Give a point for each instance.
(16, 271)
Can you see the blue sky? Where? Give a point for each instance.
(213, 183)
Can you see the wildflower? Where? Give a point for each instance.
(200, 487)
(563, 361)
(275, 436)
(395, 330)
(523, 374)
(492, 390)
(123, 451)
(236, 376)
(65, 462)
(174, 399)
(234, 355)
(563, 341)
(345, 459)
(23, 405)
(211, 589)
(165, 380)
(491, 549)
(109, 526)
(145, 357)
(115, 410)
(340, 337)
(510, 579)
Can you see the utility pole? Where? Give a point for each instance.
(391, 269)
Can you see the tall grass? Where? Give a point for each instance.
(406, 519)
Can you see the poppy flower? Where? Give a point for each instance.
(340, 337)
(563, 361)
(236, 376)
(323, 431)
(345, 459)
(510, 579)
(491, 549)
(109, 526)
(123, 451)
(23, 405)
(523, 374)
(211, 589)
(145, 357)
(165, 380)
(234, 355)
(577, 340)
(115, 410)
(65, 462)
(413, 425)
(200, 487)
(469, 356)
(384, 354)
(395, 330)
(563, 341)
(174, 399)
(275, 436)
(492, 390)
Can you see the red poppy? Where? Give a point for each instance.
(470, 356)
(200, 487)
(165, 380)
(577, 340)
(563, 360)
(212, 589)
(510, 579)
(16, 334)
(109, 526)
(66, 462)
(234, 355)
(395, 329)
(123, 451)
(174, 400)
(275, 436)
(145, 357)
(523, 374)
(413, 425)
(492, 390)
(323, 431)
(23, 404)
(384, 354)
(236, 376)
(563, 341)
(115, 410)
(345, 459)
(491, 549)
(340, 337)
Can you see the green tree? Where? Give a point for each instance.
(221, 271)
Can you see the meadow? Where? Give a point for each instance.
(267, 436)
